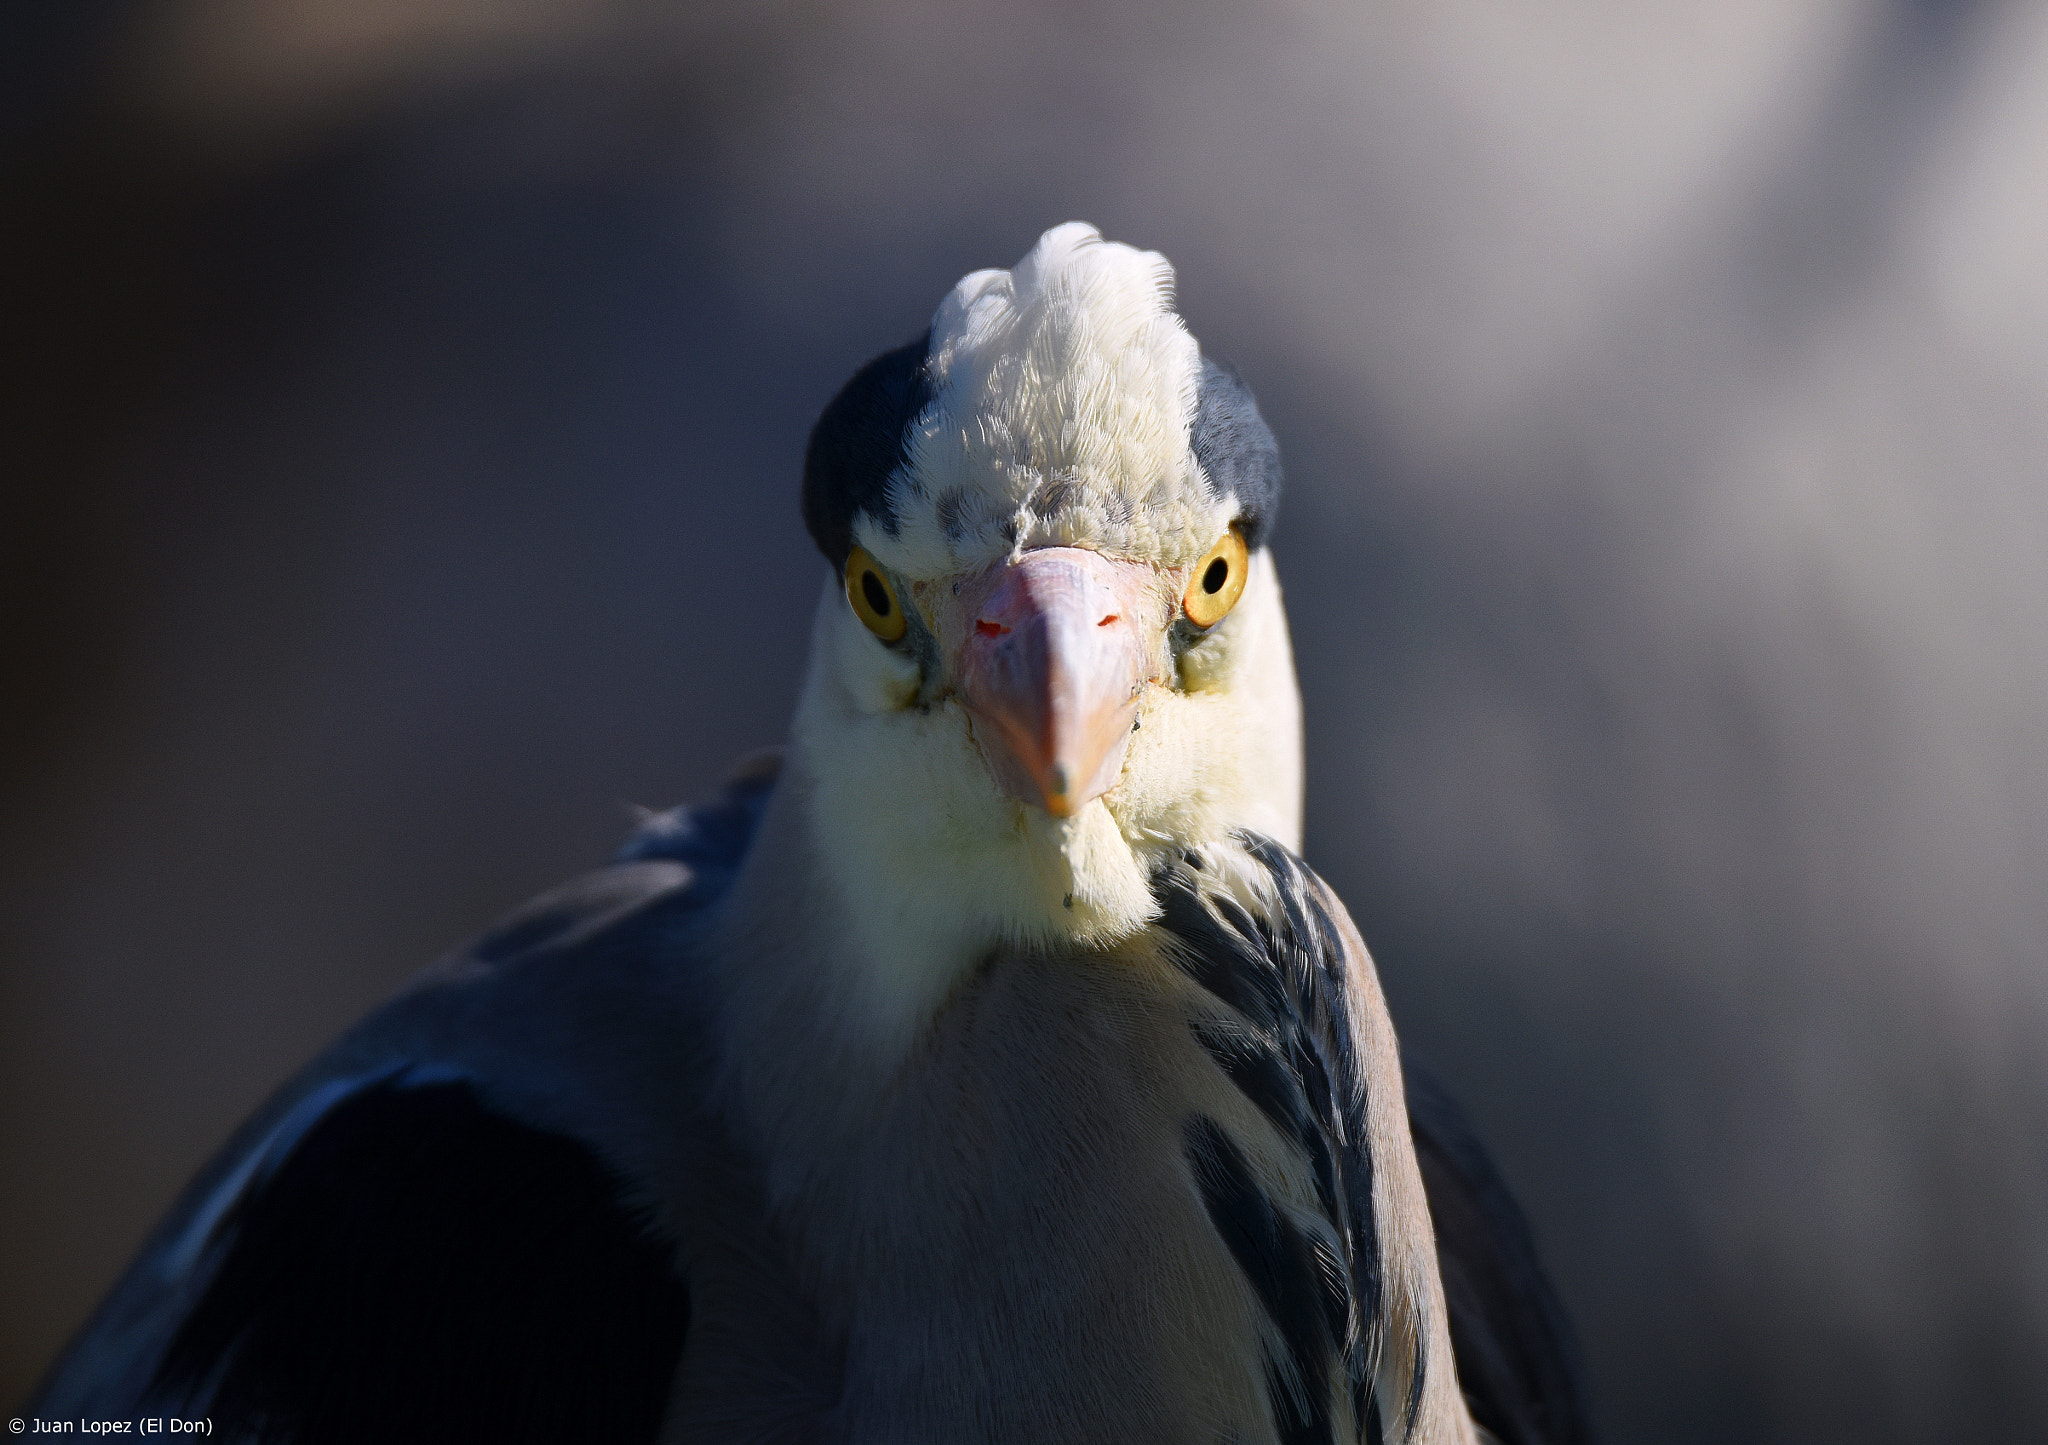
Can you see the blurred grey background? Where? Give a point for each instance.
(403, 408)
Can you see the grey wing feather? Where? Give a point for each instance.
(548, 1048)
(1517, 1359)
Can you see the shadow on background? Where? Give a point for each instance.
(404, 404)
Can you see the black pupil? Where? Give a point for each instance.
(878, 596)
(1213, 579)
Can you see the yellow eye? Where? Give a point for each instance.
(1217, 581)
(874, 600)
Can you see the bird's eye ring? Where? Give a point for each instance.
(873, 598)
(1217, 581)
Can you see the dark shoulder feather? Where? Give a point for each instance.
(421, 1268)
(712, 838)
(1517, 1361)
(382, 1172)
(1286, 1043)
(1280, 970)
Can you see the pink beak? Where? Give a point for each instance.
(1051, 667)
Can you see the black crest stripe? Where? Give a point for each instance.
(860, 439)
(421, 1269)
(1236, 449)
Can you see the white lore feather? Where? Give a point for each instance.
(1064, 391)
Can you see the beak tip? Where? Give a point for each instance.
(1051, 690)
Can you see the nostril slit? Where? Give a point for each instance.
(990, 629)
(1109, 619)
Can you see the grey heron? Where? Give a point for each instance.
(987, 1066)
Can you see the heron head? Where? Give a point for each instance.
(1052, 650)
